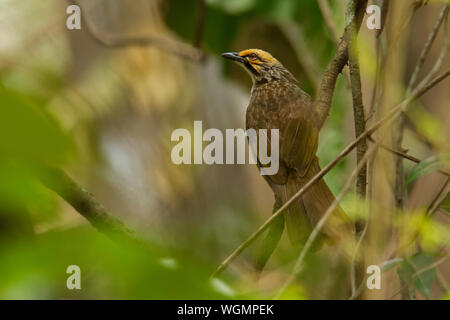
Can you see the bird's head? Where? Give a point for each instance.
(261, 66)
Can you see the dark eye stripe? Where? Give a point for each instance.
(253, 56)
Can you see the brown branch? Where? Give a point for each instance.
(86, 205)
(294, 34)
(329, 21)
(431, 266)
(438, 199)
(439, 62)
(200, 25)
(431, 210)
(326, 87)
(404, 155)
(174, 47)
(394, 112)
(427, 46)
(441, 281)
(358, 106)
(357, 267)
(398, 139)
(384, 13)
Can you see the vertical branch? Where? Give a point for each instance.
(200, 26)
(399, 170)
(384, 12)
(357, 268)
(358, 106)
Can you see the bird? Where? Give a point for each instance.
(277, 102)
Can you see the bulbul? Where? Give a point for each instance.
(277, 102)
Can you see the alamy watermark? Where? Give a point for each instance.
(73, 21)
(374, 280)
(74, 280)
(189, 150)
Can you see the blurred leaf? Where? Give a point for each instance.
(423, 281)
(428, 125)
(293, 292)
(389, 264)
(29, 137)
(28, 133)
(427, 166)
(222, 288)
(432, 233)
(281, 10)
(220, 27)
(232, 6)
(446, 204)
(114, 270)
(354, 207)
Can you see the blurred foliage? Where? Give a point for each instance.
(109, 270)
(446, 204)
(413, 272)
(429, 126)
(427, 166)
(432, 233)
(29, 138)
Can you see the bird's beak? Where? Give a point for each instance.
(233, 56)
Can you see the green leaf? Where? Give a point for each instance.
(233, 6)
(389, 264)
(28, 132)
(446, 204)
(427, 166)
(422, 281)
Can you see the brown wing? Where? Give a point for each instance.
(300, 136)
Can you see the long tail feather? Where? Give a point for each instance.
(306, 212)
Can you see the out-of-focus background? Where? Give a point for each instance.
(105, 115)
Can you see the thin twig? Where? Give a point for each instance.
(328, 18)
(294, 34)
(405, 155)
(442, 55)
(398, 139)
(431, 266)
(441, 281)
(174, 47)
(200, 25)
(439, 199)
(431, 210)
(427, 46)
(384, 13)
(331, 26)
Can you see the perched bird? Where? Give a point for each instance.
(278, 103)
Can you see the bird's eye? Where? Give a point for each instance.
(252, 56)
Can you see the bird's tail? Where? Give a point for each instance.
(303, 215)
